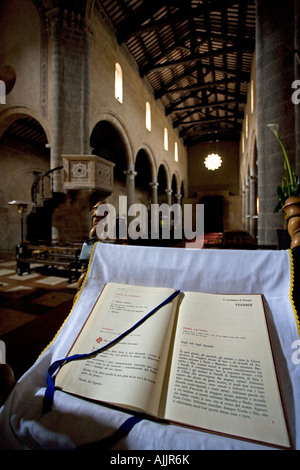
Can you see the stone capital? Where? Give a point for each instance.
(130, 173)
(68, 19)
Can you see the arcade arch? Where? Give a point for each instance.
(164, 190)
(143, 178)
(176, 191)
(25, 156)
(250, 190)
(140, 181)
(106, 142)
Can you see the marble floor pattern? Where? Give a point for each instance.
(32, 309)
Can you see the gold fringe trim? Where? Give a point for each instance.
(74, 303)
(291, 291)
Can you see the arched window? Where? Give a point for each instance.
(176, 152)
(148, 116)
(246, 126)
(166, 143)
(2, 92)
(118, 83)
(252, 96)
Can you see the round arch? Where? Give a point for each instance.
(176, 183)
(24, 156)
(13, 113)
(120, 129)
(164, 183)
(108, 140)
(175, 187)
(253, 187)
(151, 160)
(183, 190)
(143, 177)
(253, 151)
(165, 168)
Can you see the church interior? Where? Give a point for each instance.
(135, 104)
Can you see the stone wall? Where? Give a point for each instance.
(20, 165)
(64, 67)
(275, 75)
(129, 117)
(248, 159)
(222, 182)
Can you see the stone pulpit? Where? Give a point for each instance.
(88, 172)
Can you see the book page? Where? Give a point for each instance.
(222, 375)
(131, 372)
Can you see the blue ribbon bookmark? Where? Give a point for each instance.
(107, 442)
(49, 393)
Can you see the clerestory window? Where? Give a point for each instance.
(148, 116)
(118, 83)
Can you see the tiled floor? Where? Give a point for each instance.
(32, 309)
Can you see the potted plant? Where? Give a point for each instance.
(288, 194)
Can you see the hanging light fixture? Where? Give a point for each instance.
(213, 161)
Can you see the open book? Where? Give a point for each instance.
(203, 360)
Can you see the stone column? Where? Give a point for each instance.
(169, 196)
(244, 207)
(179, 213)
(178, 198)
(56, 108)
(247, 206)
(130, 186)
(252, 205)
(154, 186)
(154, 200)
(70, 38)
(275, 74)
(85, 91)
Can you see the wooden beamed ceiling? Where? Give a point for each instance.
(195, 54)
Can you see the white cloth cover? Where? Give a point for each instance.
(74, 421)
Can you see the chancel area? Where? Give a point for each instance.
(151, 144)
